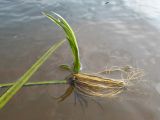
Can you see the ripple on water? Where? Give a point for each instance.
(158, 87)
(115, 37)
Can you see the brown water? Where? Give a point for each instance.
(108, 34)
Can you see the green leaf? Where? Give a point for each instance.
(70, 36)
(65, 67)
(49, 82)
(22, 80)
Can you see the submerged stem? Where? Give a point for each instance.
(36, 83)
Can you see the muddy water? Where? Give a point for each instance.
(108, 35)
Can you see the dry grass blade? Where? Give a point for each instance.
(97, 86)
(91, 85)
(67, 93)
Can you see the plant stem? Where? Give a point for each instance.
(36, 83)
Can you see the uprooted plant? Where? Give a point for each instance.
(92, 85)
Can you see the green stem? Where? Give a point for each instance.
(36, 83)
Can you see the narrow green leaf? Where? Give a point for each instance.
(70, 36)
(49, 82)
(20, 82)
(65, 67)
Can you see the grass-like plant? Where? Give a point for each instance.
(82, 83)
(70, 36)
(26, 76)
(79, 83)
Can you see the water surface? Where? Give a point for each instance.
(113, 34)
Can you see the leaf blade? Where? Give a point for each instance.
(22, 80)
(70, 36)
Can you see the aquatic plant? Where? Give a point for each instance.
(79, 83)
(86, 84)
(70, 36)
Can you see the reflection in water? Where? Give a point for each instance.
(147, 7)
(109, 35)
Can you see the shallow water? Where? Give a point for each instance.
(111, 34)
